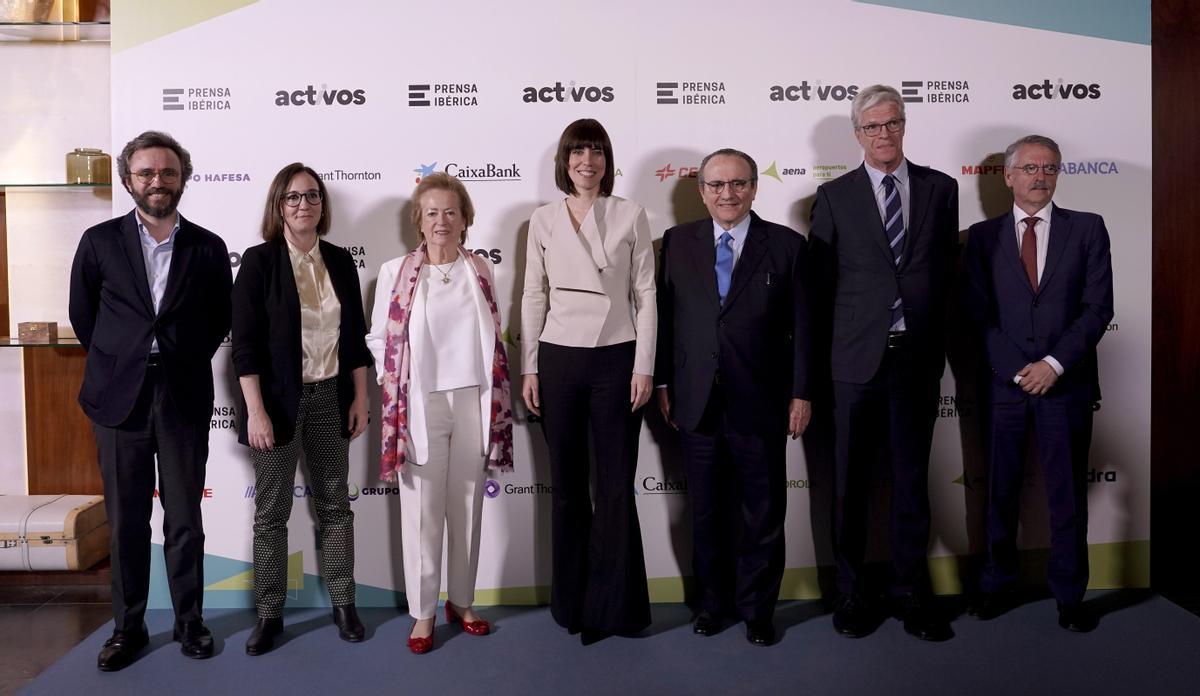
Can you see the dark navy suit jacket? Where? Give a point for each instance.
(1065, 318)
(113, 316)
(758, 340)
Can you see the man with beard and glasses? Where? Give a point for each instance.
(150, 303)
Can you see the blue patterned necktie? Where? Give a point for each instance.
(893, 224)
(724, 264)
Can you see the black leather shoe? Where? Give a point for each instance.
(350, 629)
(990, 605)
(591, 636)
(853, 617)
(262, 638)
(120, 650)
(706, 624)
(195, 640)
(761, 632)
(1074, 617)
(921, 620)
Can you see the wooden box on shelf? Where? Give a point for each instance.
(37, 331)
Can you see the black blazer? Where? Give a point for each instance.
(266, 332)
(1065, 318)
(855, 273)
(758, 340)
(113, 315)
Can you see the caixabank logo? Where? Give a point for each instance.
(325, 95)
(446, 95)
(655, 485)
(472, 171)
(569, 93)
(690, 92)
(935, 91)
(816, 90)
(1061, 89)
(197, 98)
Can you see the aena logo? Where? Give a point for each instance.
(566, 93)
(325, 96)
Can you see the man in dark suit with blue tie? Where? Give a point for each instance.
(732, 365)
(150, 303)
(1040, 293)
(883, 244)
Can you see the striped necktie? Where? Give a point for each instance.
(893, 224)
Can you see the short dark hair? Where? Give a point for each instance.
(440, 181)
(730, 152)
(146, 141)
(586, 132)
(272, 222)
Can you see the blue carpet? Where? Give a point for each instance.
(1144, 645)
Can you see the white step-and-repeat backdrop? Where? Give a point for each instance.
(376, 95)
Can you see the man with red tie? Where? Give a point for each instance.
(1040, 294)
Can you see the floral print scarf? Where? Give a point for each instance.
(396, 369)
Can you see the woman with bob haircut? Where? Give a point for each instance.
(301, 361)
(588, 327)
(447, 414)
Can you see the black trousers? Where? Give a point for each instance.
(737, 486)
(599, 572)
(1062, 430)
(155, 429)
(897, 410)
(318, 434)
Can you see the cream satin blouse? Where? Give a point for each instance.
(320, 315)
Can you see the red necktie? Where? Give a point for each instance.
(1029, 252)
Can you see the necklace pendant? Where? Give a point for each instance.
(445, 280)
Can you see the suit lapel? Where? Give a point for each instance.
(287, 282)
(1060, 234)
(574, 254)
(1010, 252)
(868, 208)
(132, 244)
(752, 255)
(181, 258)
(920, 192)
(704, 258)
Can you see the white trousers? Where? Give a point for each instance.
(444, 498)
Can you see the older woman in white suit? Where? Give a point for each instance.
(446, 411)
(588, 324)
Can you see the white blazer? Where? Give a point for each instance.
(591, 288)
(418, 437)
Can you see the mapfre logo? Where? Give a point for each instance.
(568, 93)
(322, 96)
(1060, 89)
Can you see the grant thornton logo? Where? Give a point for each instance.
(492, 488)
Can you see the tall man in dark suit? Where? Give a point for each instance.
(150, 303)
(733, 358)
(884, 238)
(1040, 293)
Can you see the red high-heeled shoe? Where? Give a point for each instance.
(475, 628)
(420, 646)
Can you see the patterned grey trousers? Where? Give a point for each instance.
(327, 453)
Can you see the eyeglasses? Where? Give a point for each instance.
(1031, 169)
(167, 176)
(735, 185)
(893, 126)
(292, 199)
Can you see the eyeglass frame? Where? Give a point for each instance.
(1051, 169)
(735, 185)
(893, 126)
(305, 195)
(146, 176)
